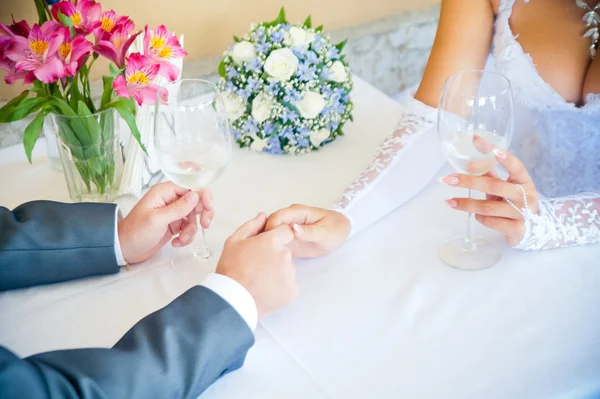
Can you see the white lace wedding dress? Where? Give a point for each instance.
(558, 142)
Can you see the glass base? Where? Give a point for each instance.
(203, 253)
(186, 261)
(478, 254)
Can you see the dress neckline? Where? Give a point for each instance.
(511, 42)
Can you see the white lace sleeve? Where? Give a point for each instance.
(391, 178)
(562, 222)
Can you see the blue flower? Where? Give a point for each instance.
(326, 92)
(303, 132)
(303, 143)
(243, 93)
(229, 86)
(317, 43)
(287, 132)
(345, 99)
(311, 57)
(333, 125)
(292, 96)
(232, 73)
(333, 53)
(250, 126)
(262, 47)
(305, 72)
(288, 115)
(254, 65)
(286, 27)
(274, 146)
(299, 52)
(253, 84)
(236, 134)
(325, 74)
(259, 34)
(277, 36)
(269, 128)
(339, 108)
(273, 88)
(325, 111)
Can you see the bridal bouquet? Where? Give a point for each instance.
(286, 88)
(56, 56)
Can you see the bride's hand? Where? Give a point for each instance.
(497, 211)
(317, 231)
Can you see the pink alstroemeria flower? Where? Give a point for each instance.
(115, 48)
(7, 33)
(84, 14)
(162, 46)
(137, 82)
(72, 52)
(110, 22)
(37, 53)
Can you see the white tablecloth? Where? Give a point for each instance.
(382, 317)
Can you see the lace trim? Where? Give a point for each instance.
(416, 117)
(562, 222)
(508, 52)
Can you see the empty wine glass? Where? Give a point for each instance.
(192, 143)
(475, 116)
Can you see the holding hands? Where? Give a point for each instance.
(506, 201)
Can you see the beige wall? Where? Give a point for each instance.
(209, 25)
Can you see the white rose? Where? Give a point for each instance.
(337, 72)
(281, 64)
(234, 106)
(258, 144)
(311, 105)
(262, 106)
(319, 136)
(243, 52)
(300, 37)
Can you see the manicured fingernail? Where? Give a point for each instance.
(298, 229)
(451, 180)
(191, 197)
(500, 154)
(452, 203)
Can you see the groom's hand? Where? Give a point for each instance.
(317, 231)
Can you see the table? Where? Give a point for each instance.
(380, 318)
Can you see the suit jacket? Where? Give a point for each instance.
(176, 352)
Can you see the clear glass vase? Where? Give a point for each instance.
(91, 154)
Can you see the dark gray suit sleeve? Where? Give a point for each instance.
(45, 242)
(176, 352)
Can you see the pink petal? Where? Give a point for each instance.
(51, 71)
(168, 70)
(125, 47)
(147, 94)
(49, 28)
(80, 47)
(146, 39)
(108, 50)
(120, 86)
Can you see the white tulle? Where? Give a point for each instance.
(558, 142)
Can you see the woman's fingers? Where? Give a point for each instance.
(484, 207)
(513, 230)
(486, 184)
(517, 173)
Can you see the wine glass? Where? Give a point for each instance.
(475, 116)
(192, 143)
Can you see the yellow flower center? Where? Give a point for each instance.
(76, 18)
(38, 46)
(165, 52)
(65, 49)
(139, 77)
(107, 24)
(157, 43)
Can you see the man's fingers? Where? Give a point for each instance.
(251, 228)
(178, 209)
(188, 232)
(517, 173)
(281, 235)
(295, 214)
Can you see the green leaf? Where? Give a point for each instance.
(340, 46)
(236, 39)
(66, 21)
(40, 7)
(107, 93)
(308, 23)
(280, 18)
(222, 69)
(27, 107)
(91, 124)
(319, 28)
(63, 107)
(74, 93)
(114, 71)
(124, 110)
(32, 132)
(8, 108)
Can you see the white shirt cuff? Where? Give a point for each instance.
(235, 294)
(118, 252)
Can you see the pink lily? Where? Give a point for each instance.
(137, 82)
(72, 52)
(116, 47)
(37, 53)
(12, 75)
(162, 46)
(109, 22)
(84, 14)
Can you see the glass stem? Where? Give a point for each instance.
(202, 251)
(469, 244)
